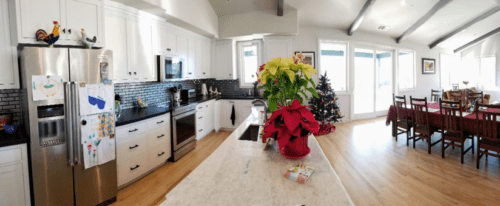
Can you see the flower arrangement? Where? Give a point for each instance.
(286, 79)
(286, 82)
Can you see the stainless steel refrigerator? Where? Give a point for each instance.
(58, 173)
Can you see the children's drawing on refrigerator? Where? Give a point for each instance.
(96, 98)
(98, 146)
(47, 87)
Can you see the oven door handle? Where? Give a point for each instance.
(184, 115)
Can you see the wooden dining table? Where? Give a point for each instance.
(470, 123)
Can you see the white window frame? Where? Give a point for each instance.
(347, 57)
(241, 55)
(414, 87)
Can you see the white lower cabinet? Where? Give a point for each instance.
(14, 177)
(204, 119)
(242, 109)
(141, 147)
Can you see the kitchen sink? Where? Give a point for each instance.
(251, 134)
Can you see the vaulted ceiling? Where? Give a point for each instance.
(396, 15)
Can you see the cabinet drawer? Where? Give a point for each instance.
(10, 154)
(159, 136)
(130, 130)
(133, 168)
(159, 155)
(200, 107)
(161, 121)
(132, 147)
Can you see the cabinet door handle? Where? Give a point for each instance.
(134, 146)
(229, 74)
(189, 73)
(200, 117)
(203, 73)
(135, 73)
(64, 30)
(161, 154)
(69, 31)
(130, 73)
(161, 136)
(206, 106)
(135, 130)
(200, 130)
(160, 122)
(200, 107)
(136, 166)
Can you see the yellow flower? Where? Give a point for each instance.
(294, 67)
(307, 69)
(263, 76)
(290, 74)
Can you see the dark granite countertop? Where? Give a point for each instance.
(132, 115)
(19, 137)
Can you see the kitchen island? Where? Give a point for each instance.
(242, 173)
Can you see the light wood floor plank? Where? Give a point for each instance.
(374, 168)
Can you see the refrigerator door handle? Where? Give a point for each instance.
(75, 94)
(68, 122)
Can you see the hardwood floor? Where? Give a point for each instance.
(373, 167)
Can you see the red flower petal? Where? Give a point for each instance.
(292, 119)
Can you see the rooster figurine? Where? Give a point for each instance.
(50, 39)
(86, 41)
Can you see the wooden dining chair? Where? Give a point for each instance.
(471, 96)
(456, 96)
(488, 138)
(421, 125)
(436, 94)
(454, 87)
(403, 121)
(452, 131)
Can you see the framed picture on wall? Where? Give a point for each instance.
(309, 58)
(428, 66)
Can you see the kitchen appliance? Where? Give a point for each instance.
(187, 94)
(170, 67)
(204, 90)
(53, 124)
(183, 129)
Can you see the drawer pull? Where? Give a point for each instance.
(200, 130)
(200, 117)
(134, 147)
(200, 107)
(135, 130)
(136, 166)
(231, 102)
(160, 122)
(161, 136)
(161, 154)
(206, 106)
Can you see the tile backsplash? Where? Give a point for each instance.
(10, 103)
(157, 93)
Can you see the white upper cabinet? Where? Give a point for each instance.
(207, 63)
(224, 60)
(72, 15)
(116, 40)
(8, 53)
(199, 59)
(191, 61)
(84, 14)
(167, 39)
(141, 49)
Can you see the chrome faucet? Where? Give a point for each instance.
(265, 107)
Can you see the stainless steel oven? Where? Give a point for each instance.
(170, 67)
(183, 130)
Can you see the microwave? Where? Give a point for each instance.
(170, 67)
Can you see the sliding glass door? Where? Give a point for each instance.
(373, 85)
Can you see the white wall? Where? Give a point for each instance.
(307, 40)
(489, 47)
(259, 22)
(197, 13)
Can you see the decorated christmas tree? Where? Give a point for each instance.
(325, 108)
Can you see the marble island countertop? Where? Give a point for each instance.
(242, 173)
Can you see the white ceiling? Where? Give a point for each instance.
(397, 15)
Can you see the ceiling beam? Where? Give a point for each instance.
(475, 41)
(465, 26)
(280, 7)
(441, 4)
(359, 19)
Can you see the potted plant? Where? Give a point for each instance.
(286, 82)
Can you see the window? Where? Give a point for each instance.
(406, 70)
(488, 71)
(333, 60)
(249, 58)
(450, 70)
